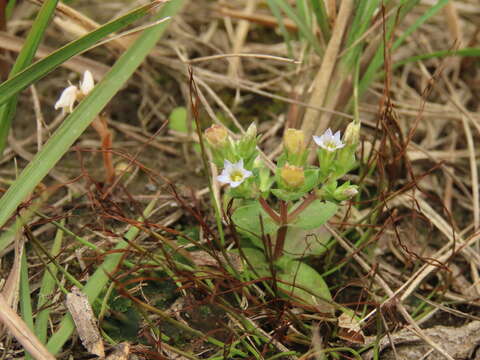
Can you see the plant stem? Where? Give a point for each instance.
(270, 211)
(308, 200)
(282, 231)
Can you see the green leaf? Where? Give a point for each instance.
(287, 195)
(257, 260)
(302, 243)
(178, 120)
(247, 219)
(304, 283)
(315, 215)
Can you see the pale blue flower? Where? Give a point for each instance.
(233, 174)
(329, 141)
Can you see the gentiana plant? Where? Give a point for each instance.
(280, 213)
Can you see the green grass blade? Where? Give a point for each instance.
(42, 67)
(9, 8)
(74, 125)
(25, 57)
(9, 234)
(378, 60)
(46, 290)
(25, 300)
(304, 12)
(473, 52)
(303, 28)
(321, 16)
(364, 14)
(278, 15)
(422, 19)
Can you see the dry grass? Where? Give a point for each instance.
(407, 253)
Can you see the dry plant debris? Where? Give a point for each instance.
(405, 257)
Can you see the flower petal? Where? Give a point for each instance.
(246, 173)
(318, 140)
(87, 83)
(227, 164)
(67, 99)
(223, 178)
(234, 184)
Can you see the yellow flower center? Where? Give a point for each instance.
(236, 175)
(331, 144)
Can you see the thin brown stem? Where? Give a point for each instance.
(101, 127)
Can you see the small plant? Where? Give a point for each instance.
(280, 212)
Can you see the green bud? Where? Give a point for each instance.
(352, 134)
(251, 131)
(345, 192)
(350, 192)
(293, 176)
(216, 136)
(294, 141)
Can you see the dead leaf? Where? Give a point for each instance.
(18, 329)
(82, 314)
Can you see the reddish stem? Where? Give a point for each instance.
(308, 200)
(282, 231)
(269, 211)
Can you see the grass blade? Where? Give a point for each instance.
(25, 57)
(278, 15)
(320, 12)
(46, 290)
(473, 52)
(303, 28)
(377, 61)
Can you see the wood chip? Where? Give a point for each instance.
(120, 352)
(82, 314)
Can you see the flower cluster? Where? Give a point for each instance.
(72, 93)
(248, 177)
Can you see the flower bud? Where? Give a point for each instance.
(216, 136)
(293, 176)
(294, 141)
(352, 133)
(350, 192)
(345, 192)
(251, 131)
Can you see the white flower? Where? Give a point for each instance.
(233, 174)
(67, 99)
(87, 83)
(329, 141)
(72, 93)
